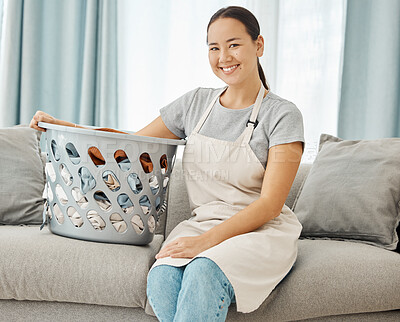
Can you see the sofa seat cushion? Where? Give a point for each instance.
(333, 278)
(38, 265)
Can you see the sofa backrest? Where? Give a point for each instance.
(178, 201)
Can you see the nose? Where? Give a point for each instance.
(224, 56)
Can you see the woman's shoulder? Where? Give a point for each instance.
(276, 109)
(276, 104)
(276, 101)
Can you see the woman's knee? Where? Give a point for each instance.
(164, 276)
(203, 268)
(205, 272)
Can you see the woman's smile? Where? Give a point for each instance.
(229, 69)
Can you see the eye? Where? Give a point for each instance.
(213, 48)
(233, 45)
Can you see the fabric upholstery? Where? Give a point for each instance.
(353, 192)
(297, 185)
(22, 176)
(18, 311)
(332, 278)
(42, 266)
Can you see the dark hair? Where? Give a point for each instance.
(249, 21)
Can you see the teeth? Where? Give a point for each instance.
(230, 68)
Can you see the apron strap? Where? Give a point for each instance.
(208, 110)
(252, 122)
(248, 132)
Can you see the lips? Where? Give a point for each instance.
(229, 69)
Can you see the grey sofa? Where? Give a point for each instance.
(45, 277)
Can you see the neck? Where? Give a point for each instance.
(241, 96)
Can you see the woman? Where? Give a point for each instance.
(243, 150)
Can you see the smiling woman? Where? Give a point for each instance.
(230, 239)
(241, 238)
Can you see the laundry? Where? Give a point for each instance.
(125, 203)
(66, 175)
(79, 198)
(111, 180)
(118, 223)
(96, 221)
(75, 217)
(88, 182)
(137, 224)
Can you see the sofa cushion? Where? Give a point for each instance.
(22, 176)
(353, 192)
(38, 265)
(298, 183)
(332, 278)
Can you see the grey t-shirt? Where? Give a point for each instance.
(279, 120)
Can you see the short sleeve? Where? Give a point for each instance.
(174, 114)
(286, 125)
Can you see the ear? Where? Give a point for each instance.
(260, 45)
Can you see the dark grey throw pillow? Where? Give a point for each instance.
(22, 176)
(352, 192)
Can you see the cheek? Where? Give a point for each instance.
(212, 60)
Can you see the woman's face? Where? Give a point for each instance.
(232, 53)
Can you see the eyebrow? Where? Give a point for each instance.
(229, 40)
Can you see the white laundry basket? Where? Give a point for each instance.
(104, 186)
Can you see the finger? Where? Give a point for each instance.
(34, 125)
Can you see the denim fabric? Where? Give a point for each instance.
(199, 291)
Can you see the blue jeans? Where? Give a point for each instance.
(199, 291)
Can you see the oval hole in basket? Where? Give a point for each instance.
(65, 174)
(74, 216)
(58, 213)
(151, 222)
(163, 163)
(135, 183)
(54, 150)
(154, 187)
(145, 204)
(50, 171)
(96, 156)
(165, 183)
(118, 223)
(137, 224)
(87, 180)
(79, 197)
(61, 195)
(72, 153)
(111, 180)
(96, 220)
(102, 200)
(146, 162)
(122, 160)
(125, 203)
(158, 203)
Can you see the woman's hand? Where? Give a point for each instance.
(41, 117)
(184, 247)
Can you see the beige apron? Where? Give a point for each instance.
(222, 178)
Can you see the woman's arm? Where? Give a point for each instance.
(157, 128)
(283, 163)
